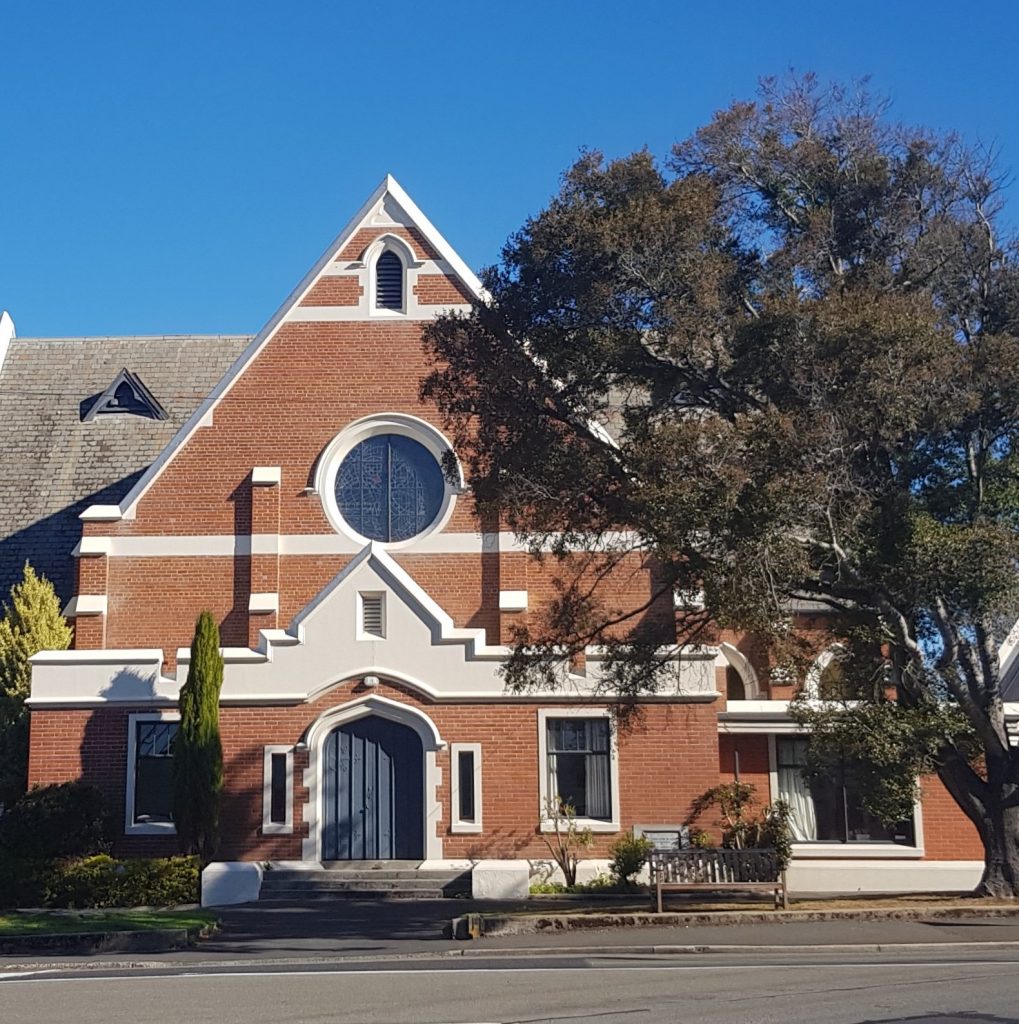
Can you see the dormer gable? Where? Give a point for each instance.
(126, 395)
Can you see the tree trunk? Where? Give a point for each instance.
(999, 831)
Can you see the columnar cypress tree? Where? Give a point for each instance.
(31, 622)
(197, 752)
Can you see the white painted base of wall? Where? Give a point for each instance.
(587, 870)
(830, 876)
(231, 881)
(500, 880)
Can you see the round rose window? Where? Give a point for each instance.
(389, 488)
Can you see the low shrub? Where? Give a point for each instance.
(50, 822)
(629, 854)
(101, 881)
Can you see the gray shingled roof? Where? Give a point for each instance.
(53, 465)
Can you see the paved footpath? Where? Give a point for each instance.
(372, 929)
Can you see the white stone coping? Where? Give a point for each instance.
(263, 603)
(266, 476)
(85, 604)
(513, 600)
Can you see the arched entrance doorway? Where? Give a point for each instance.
(373, 792)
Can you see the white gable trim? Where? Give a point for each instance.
(202, 416)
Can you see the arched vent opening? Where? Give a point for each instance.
(389, 282)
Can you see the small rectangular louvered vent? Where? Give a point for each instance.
(389, 282)
(373, 615)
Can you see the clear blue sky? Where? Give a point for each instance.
(172, 167)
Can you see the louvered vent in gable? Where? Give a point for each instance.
(389, 282)
(373, 616)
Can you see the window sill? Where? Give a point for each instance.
(151, 828)
(465, 828)
(874, 851)
(594, 824)
(277, 829)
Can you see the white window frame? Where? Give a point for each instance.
(594, 824)
(416, 429)
(270, 827)
(403, 252)
(142, 828)
(456, 824)
(362, 633)
(885, 850)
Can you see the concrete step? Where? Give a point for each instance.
(340, 877)
(392, 883)
(282, 895)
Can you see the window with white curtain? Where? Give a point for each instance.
(828, 809)
(579, 765)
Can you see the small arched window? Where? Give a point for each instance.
(389, 281)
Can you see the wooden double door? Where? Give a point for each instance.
(373, 790)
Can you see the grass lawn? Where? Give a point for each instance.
(14, 923)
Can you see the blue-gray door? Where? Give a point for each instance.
(373, 789)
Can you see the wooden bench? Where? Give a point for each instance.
(695, 870)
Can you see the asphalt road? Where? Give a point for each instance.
(599, 989)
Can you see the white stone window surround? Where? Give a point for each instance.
(142, 828)
(458, 826)
(594, 824)
(270, 827)
(429, 437)
(395, 244)
(823, 850)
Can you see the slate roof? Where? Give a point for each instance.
(53, 465)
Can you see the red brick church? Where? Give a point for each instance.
(291, 483)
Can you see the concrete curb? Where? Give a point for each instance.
(156, 940)
(480, 952)
(474, 926)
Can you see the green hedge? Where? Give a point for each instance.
(99, 881)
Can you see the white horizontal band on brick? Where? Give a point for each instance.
(91, 547)
(333, 314)
(85, 604)
(262, 603)
(265, 476)
(513, 600)
(228, 545)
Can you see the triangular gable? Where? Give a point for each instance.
(389, 202)
(126, 395)
(422, 648)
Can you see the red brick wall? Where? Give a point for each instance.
(948, 834)
(666, 758)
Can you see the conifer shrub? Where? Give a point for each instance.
(197, 752)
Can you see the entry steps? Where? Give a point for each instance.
(365, 880)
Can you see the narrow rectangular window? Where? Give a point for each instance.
(466, 785)
(278, 790)
(465, 769)
(278, 786)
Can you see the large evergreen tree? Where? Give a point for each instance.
(786, 367)
(197, 752)
(31, 623)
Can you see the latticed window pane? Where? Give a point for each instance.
(389, 488)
